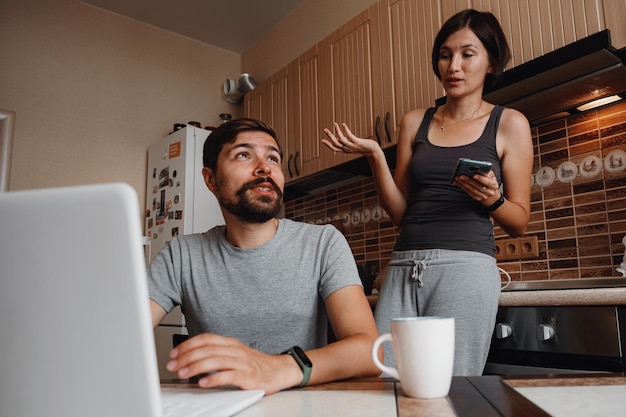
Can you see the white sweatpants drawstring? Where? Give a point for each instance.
(417, 271)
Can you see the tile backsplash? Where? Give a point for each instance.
(578, 203)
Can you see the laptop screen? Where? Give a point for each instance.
(74, 316)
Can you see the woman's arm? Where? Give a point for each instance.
(515, 149)
(515, 141)
(393, 190)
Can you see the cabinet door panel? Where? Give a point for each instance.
(534, 28)
(408, 30)
(279, 120)
(352, 76)
(312, 155)
(253, 103)
(614, 12)
(268, 102)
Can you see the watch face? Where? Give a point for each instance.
(305, 360)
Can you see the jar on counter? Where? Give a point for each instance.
(225, 118)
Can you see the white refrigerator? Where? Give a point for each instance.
(177, 202)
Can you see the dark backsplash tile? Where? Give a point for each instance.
(559, 213)
(578, 125)
(552, 136)
(588, 187)
(609, 142)
(583, 138)
(555, 157)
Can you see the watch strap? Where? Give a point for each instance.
(303, 362)
(496, 205)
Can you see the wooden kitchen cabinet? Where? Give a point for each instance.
(269, 102)
(310, 155)
(333, 81)
(278, 96)
(408, 30)
(377, 67)
(289, 101)
(352, 78)
(534, 28)
(253, 103)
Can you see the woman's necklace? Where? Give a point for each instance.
(443, 119)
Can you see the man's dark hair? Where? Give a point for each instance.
(227, 133)
(487, 28)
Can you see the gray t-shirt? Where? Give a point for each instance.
(270, 297)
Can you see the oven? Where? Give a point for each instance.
(557, 340)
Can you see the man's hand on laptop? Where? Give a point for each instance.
(227, 361)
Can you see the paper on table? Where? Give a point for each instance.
(574, 401)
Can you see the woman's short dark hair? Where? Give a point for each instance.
(227, 133)
(488, 30)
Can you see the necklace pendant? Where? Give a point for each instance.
(442, 128)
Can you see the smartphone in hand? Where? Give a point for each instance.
(469, 167)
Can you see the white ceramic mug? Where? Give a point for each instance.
(424, 351)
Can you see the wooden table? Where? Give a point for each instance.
(483, 396)
(487, 396)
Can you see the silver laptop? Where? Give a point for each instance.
(75, 329)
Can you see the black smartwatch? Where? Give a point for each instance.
(303, 361)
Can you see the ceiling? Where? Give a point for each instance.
(233, 25)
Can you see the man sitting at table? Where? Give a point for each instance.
(259, 287)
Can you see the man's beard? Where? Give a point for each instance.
(257, 210)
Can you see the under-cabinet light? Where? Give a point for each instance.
(599, 102)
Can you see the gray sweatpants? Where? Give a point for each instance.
(460, 284)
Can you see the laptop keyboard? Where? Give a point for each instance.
(174, 408)
(206, 402)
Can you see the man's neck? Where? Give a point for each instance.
(249, 235)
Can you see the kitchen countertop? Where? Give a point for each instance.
(561, 297)
(564, 297)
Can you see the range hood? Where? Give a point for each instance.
(344, 174)
(546, 88)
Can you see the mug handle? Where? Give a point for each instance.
(391, 371)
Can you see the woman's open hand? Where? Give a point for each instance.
(341, 139)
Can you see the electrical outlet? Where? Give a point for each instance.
(526, 247)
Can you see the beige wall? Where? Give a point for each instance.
(92, 90)
(306, 26)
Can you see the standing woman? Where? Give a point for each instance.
(443, 263)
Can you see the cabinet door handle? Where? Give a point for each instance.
(387, 115)
(295, 163)
(289, 165)
(376, 129)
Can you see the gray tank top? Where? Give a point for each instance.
(441, 215)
